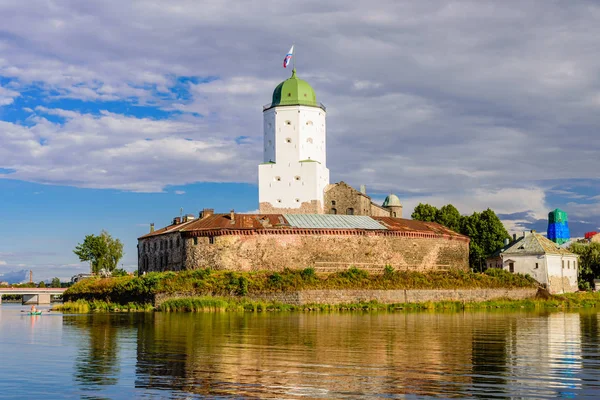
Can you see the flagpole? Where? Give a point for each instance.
(294, 57)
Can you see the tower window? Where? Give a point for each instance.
(333, 202)
(277, 178)
(333, 211)
(289, 95)
(297, 200)
(350, 211)
(309, 140)
(288, 122)
(309, 123)
(297, 178)
(279, 200)
(288, 140)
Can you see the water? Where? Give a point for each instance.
(299, 355)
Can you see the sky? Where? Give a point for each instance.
(117, 114)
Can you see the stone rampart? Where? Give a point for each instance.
(325, 253)
(349, 296)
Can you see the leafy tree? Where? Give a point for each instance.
(42, 284)
(55, 283)
(425, 212)
(589, 262)
(100, 251)
(487, 235)
(486, 231)
(449, 216)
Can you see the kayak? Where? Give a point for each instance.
(34, 313)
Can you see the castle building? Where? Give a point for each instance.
(304, 221)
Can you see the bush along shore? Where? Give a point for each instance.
(143, 289)
(209, 290)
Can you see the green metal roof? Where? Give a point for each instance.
(391, 200)
(331, 221)
(293, 92)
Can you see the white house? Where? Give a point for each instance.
(535, 255)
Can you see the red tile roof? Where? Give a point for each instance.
(277, 223)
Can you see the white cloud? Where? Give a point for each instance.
(7, 96)
(438, 98)
(2, 262)
(179, 192)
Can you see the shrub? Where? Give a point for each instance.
(308, 274)
(388, 271)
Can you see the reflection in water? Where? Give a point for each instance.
(354, 355)
(97, 361)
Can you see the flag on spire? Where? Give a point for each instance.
(288, 57)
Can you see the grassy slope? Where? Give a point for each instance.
(127, 289)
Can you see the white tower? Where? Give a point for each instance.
(293, 176)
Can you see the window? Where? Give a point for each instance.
(536, 265)
(155, 246)
(309, 123)
(288, 122)
(211, 240)
(563, 264)
(297, 200)
(195, 240)
(178, 244)
(568, 264)
(279, 200)
(394, 214)
(309, 140)
(333, 202)
(333, 211)
(171, 244)
(288, 140)
(297, 178)
(277, 178)
(511, 267)
(350, 211)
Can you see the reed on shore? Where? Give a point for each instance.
(241, 304)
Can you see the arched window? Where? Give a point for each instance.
(309, 140)
(333, 202)
(309, 123)
(334, 211)
(350, 211)
(178, 244)
(394, 214)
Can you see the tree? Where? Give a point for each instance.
(449, 216)
(55, 283)
(42, 284)
(100, 251)
(486, 231)
(589, 262)
(425, 212)
(487, 234)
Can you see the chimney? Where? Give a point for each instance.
(514, 237)
(232, 216)
(176, 220)
(207, 212)
(363, 189)
(506, 241)
(152, 227)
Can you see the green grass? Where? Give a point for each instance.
(84, 306)
(241, 304)
(126, 289)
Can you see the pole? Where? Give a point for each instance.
(294, 57)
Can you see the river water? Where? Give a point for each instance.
(300, 355)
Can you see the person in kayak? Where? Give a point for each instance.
(33, 308)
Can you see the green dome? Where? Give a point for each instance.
(392, 201)
(294, 92)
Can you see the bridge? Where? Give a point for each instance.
(32, 295)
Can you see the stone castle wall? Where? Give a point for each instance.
(161, 253)
(307, 207)
(325, 252)
(349, 296)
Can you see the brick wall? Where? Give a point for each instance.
(326, 253)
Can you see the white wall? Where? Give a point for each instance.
(548, 266)
(293, 135)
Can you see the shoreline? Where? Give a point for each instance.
(235, 304)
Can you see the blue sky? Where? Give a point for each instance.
(114, 115)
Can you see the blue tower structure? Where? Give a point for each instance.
(558, 226)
